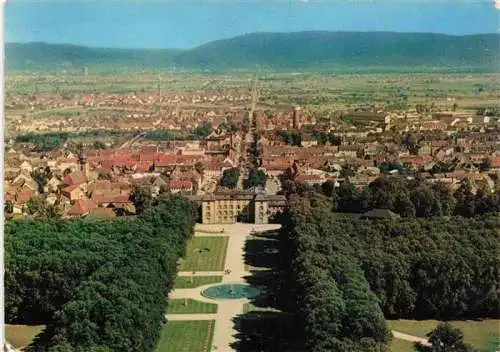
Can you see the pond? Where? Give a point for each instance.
(231, 291)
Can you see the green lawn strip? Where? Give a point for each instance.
(479, 334)
(398, 345)
(195, 281)
(205, 254)
(188, 305)
(21, 335)
(186, 336)
(249, 307)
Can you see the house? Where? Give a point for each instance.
(82, 207)
(26, 167)
(73, 192)
(101, 213)
(177, 186)
(75, 178)
(310, 179)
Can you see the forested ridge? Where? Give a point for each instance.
(97, 285)
(362, 51)
(344, 274)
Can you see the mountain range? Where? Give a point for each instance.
(298, 50)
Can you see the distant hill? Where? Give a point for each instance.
(348, 49)
(42, 55)
(308, 50)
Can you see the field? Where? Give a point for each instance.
(21, 335)
(195, 281)
(205, 254)
(480, 334)
(186, 336)
(190, 306)
(398, 345)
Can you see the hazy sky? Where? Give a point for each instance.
(187, 23)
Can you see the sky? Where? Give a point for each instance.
(187, 23)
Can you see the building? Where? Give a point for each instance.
(239, 206)
(296, 118)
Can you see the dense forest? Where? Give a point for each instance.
(344, 274)
(311, 49)
(414, 197)
(97, 285)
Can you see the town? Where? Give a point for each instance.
(100, 154)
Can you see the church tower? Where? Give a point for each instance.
(84, 165)
(296, 118)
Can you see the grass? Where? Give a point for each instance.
(398, 345)
(249, 307)
(188, 305)
(186, 336)
(21, 335)
(195, 281)
(480, 334)
(210, 260)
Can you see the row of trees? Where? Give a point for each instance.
(256, 178)
(98, 286)
(199, 132)
(440, 268)
(327, 289)
(410, 198)
(51, 141)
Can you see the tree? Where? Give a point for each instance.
(256, 178)
(485, 165)
(202, 131)
(328, 188)
(465, 199)
(444, 338)
(9, 207)
(230, 178)
(142, 197)
(39, 208)
(40, 179)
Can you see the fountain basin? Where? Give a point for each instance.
(231, 291)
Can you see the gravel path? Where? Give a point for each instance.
(411, 338)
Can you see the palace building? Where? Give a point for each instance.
(239, 206)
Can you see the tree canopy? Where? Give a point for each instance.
(97, 285)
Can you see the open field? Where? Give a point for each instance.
(480, 334)
(195, 281)
(313, 89)
(186, 336)
(205, 254)
(21, 335)
(187, 306)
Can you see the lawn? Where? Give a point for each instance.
(480, 334)
(186, 306)
(21, 335)
(205, 254)
(186, 336)
(249, 307)
(398, 345)
(195, 281)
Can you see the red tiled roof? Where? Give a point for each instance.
(82, 206)
(75, 178)
(70, 188)
(305, 178)
(24, 196)
(181, 184)
(495, 161)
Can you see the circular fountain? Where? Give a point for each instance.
(231, 291)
